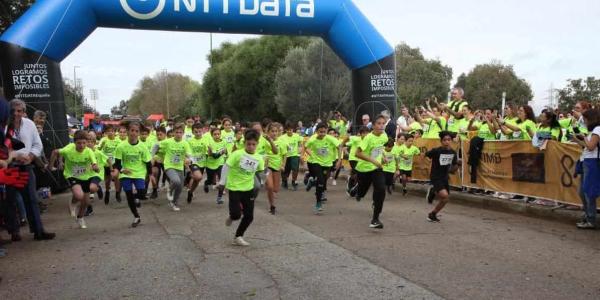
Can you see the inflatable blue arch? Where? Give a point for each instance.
(31, 50)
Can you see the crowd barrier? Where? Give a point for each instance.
(514, 167)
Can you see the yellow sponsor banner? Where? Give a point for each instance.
(422, 164)
(518, 168)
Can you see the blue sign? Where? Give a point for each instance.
(56, 27)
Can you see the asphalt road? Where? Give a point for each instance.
(471, 254)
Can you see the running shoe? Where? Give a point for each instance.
(272, 210)
(81, 223)
(306, 177)
(324, 196)
(310, 184)
(206, 188)
(239, 241)
(404, 192)
(376, 224)
(136, 222)
(219, 200)
(294, 186)
(106, 197)
(89, 211)
(318, 208)
(334, 182)
(284, 184)
(586, 225)
(154, 194)
(432, 217)
(100, 194)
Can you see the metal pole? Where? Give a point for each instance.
(503, 104)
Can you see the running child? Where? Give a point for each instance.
(444, 161)
(370, 168)
(294, 147)
(198, 160)
(217, 150)
(103, 162)
(407, 154)
(390, 165)
(158, 168)
(319, 150)
(238, 177)
(176, 152)
(107, 145)
(132, 163)
(275, 162)
(79, 167)
(353, 142)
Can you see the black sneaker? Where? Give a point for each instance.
(190, 196)
(272, 210)
(430, 195)
(100, 194)
(89, 211)
(118, 197)
(106, 197)
(306, 177)
(284, 184)
(353, 191)
(44, 236)
(376, 224)
(136, 222)
(206, 188)
(404, 192)
(294, 186)
(154, 194)
(432, 217)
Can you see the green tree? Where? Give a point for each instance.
(418, 78)
(120, 109)
(74, 100)
(11, 10)
(587, 89)
(162, 93)
(485, 84)
(302, 90)
(240, 81)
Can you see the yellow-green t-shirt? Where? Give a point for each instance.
(175, 153)
(216, 147)
(390, 160)
(242, 168)
(407, 156)
(339, 126)
(353, 143)
(293, 144)
(485, 133)
(101, 161)
(134, 159)
(432, 128)
(109, 146)
(321, 150)
(525, 127)
(78, 165)
(275, 161)
(373, 146)
(199, 151)
(188, 133)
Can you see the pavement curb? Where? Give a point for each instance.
(550, 213)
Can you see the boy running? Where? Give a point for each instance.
(390, 165)
(198, 150)
(108, 144)
(158, 168)
(407, 154)
(176, 152)
(444, 161)
(292, 165)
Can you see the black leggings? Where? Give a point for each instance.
(241, 204)
(211, 178)
(319, 173)
(389, 178)
(377, 178)
(131, 203)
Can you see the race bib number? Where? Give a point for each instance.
(323, 152)
(197, 159)
(290, 148)
(446, 159)
(176, 159)
(407, 162)
(426, 128)
(389, 158)
(451, 122)
(248, 164)
(516, 134)
(78, 171)
(229, 139)
(376, 152)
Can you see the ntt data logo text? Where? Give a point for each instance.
(150, 9)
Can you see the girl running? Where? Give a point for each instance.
(276, 163)
(238, 177)
(132, 163)
(370, 168)
(79, 167)
(217, 150)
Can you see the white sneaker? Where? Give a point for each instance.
(176, 208)
(239, 241)
(228, 221)
(334, 182)
(81, 223)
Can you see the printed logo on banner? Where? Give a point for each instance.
(270, 8)
(383, 84)
(529, 167)
(31, 80)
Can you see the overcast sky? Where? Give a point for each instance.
(548, 42)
